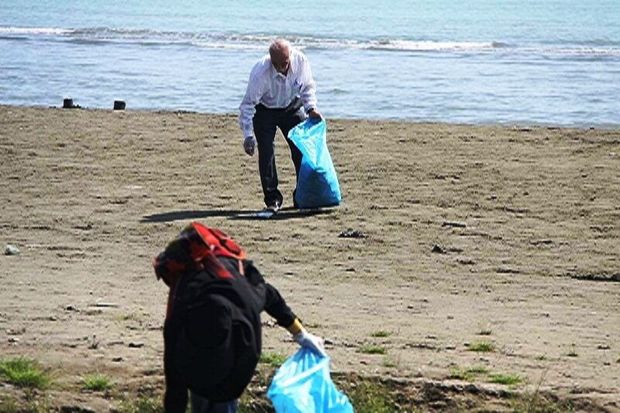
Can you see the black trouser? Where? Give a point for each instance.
(265, 122)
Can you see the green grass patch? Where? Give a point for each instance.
(469, 374)
(478, 370)
(372, 349)
(24, 372)
(381, 333)
(96, 382)
(507, 379)
(482, 347)
(272, 359)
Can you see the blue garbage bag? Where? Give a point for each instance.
(317, 183)
(303, 385)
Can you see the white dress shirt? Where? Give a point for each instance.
(276, 91)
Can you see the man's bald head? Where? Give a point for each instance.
(280, 52)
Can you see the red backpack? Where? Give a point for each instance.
(196, 247)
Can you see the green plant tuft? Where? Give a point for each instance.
(482, 346)
(478, 370)
(96, 382)
(381, 333)
(507, 379)
(24, 372)
(372, 349)
(468, 374)
(272, 359)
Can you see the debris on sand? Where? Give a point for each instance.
(605, 277)
(350, 233)
(104, 305)
(438, 249)
(11, 250)
(454, 224)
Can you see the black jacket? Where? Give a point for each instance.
(190, 320)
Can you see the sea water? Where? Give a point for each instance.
(554, 62)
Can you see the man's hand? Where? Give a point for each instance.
(315, 114)
(314, 343)
(249, 145)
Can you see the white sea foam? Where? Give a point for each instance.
(43, 31)
(235, 41)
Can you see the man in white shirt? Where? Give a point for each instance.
(280, 93)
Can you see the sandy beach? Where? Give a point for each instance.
(456, 249)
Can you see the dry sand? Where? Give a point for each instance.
(498, 234)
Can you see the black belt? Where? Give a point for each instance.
(294, 106)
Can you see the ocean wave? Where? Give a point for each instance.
(235, 41)
(428, 46)
(33, 31)
(255, 41)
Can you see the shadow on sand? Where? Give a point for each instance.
(234, 214)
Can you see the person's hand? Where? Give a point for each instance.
(249, 145)
(310, 341)
(315, 114)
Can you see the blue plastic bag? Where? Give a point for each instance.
(317, 184)
(303, 385)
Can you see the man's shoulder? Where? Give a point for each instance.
(262, 65)
(299, 61)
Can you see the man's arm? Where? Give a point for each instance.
(308, 91)
(274, 304)
(247, 108)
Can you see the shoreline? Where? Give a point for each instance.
(489, 252)
(523, 124)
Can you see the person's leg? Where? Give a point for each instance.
(203, 405)
(265, 130)
(224, 407)
(199, 404)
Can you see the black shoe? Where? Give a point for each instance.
(275, 207)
